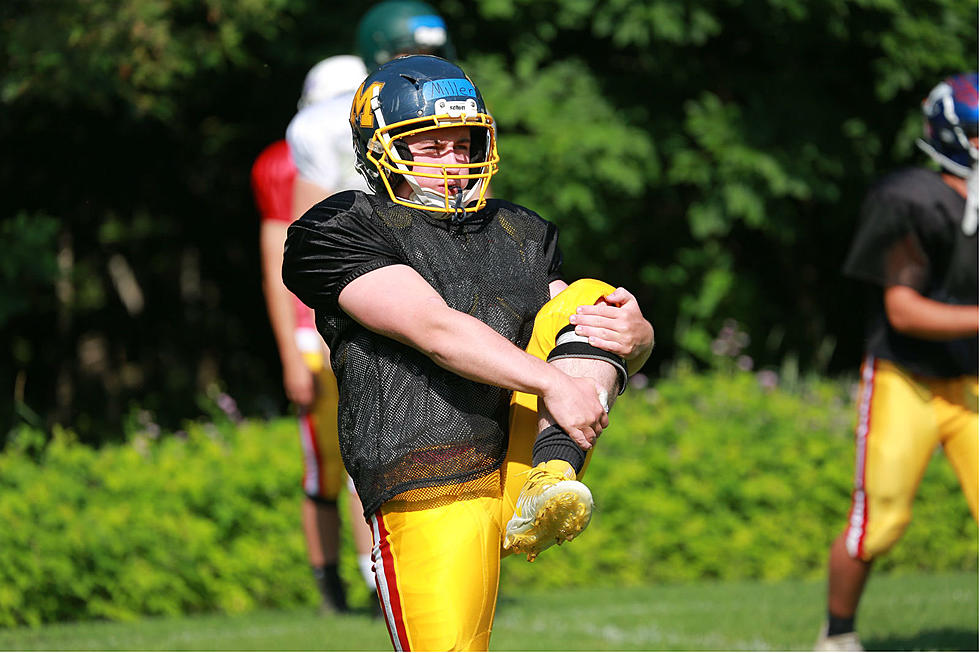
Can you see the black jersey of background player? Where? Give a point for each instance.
(912, 234)
(405, 422)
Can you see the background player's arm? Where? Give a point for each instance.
(305, 195)
(395, 301)
(315, 156)
(297, 378)
(913, 315)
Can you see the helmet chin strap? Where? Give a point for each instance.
(458, 213)
(970, 214)
(431, 198)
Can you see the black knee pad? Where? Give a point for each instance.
(569, 344)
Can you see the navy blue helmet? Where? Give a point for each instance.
(411, 95)
(950, 113)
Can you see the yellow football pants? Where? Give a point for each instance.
(902, 418)
(323, 467)
(437, 560)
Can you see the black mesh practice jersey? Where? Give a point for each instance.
(912, 234)
(404, 422)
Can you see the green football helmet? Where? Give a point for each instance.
(397, 27)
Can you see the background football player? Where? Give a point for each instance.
(289, 177)
(306, 379)
(917, 245)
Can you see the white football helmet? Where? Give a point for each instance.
(331, 77)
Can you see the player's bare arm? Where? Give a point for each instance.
(297, 378)
(305, 195)
(398, 303)
(913, 315)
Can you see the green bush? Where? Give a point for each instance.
(705, 476)
(207, 520)
(719, 476)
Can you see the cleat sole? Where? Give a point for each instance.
(561, 519)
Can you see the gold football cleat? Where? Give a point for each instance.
(552, 508)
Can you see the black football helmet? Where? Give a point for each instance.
(415, 94)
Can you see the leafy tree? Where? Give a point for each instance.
(710, 156)
(752, 129)
(131, 126)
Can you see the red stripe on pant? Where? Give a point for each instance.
(388, 587)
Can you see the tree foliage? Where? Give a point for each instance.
(710, 156)
(755, 129)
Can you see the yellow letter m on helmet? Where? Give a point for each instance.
(361, 114)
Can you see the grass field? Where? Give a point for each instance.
(927, 612)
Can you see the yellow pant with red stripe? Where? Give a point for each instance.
(323, 467)
(437, 551)
(902, 418)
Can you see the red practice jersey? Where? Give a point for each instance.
(273, 174)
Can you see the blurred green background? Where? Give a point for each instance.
(710, 155)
